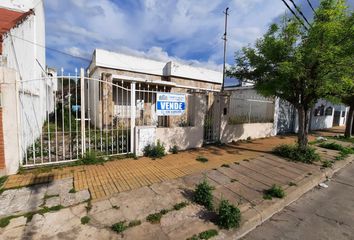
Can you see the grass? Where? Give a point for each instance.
(274, 191)
(204, 235)
(72, 190)
(154, 217)
(344, 152)
(225, 165)
(180, 205)
(203, 195)
(327, 164)
(134, 223)
(119, 227)
(85, 220)
(5, 221)
(50, 196)
(294, 153)
(202, 159)
(3, 180)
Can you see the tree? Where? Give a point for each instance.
(299, 65)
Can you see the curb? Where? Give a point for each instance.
(257, 215)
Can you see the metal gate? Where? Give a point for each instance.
(61, 118)
(211, 120)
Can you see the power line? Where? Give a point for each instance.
(310, 4)
(300, 12)
(297, 17)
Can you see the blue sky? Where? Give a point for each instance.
(188, 31)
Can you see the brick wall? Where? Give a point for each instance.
(2, 154)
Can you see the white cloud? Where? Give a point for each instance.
(181, 30)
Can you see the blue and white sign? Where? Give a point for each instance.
(170, 104)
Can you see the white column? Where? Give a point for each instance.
(132, 117)
(82, 107)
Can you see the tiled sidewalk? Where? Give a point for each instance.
(122, 175)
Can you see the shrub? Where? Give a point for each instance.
(203, 195)
(274, 191)
(154, 151)
(332, 146)
(229, 216)
(202, 159)
(174, 149)
(294, 153)
(85, 220)
(343, 151)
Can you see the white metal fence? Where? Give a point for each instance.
(250, 109)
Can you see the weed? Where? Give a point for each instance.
(134, 223)
(180, 205)
(89, 206)
(154, 151)
(164, 211)
(50, 196)
(237, 163)
(174, 149)
(5, 221)
(246, 160)
(119, 227)
(208, 234)
(332, 146)
(225, 165)
(202, 159)
(203, 195)
(91, 158)
(327, 164)
(229, 216)
(72, 190)
(154, 218)
(292, 184)
(195, 237)
(85, 220)
(3, 180)
(233, 180)
(115, 207)
(294, 153)
(274, 191)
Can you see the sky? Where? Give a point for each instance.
(187, 31)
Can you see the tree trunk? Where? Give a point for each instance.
(349, 125)
(303, 127)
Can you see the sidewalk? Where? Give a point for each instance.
(112, 177)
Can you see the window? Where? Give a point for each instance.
(329, 111)
(343, 114)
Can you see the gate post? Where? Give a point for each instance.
(82, 107)
(132, 117)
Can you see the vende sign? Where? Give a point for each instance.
(170, 104)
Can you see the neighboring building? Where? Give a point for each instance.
(22, 69)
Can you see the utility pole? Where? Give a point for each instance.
(225, 40)
(221, 98)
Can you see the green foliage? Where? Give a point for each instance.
(119, 227)
(344, 152)
(203, 195)
(3, 180)
(174, 149)
(229, 216)
(294, 153)
(91, 158)
(327, 164)
(204, 235)
(274, 191)
(202, 159)
(332, 146)
(154, 217)
(300, 65)
(85, 220)
(5, 221)
(154, 151)
(134, 223)
(72, 190)
(180, 205)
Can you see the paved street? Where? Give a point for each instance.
(320, 214)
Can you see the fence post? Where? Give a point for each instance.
(132, 117)
(82, 108)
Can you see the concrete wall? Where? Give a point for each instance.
(249, 130)
(10, 119)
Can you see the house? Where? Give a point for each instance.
(25, 93)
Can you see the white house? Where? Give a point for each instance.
(25, 94)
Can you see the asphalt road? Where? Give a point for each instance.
(320, 214)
